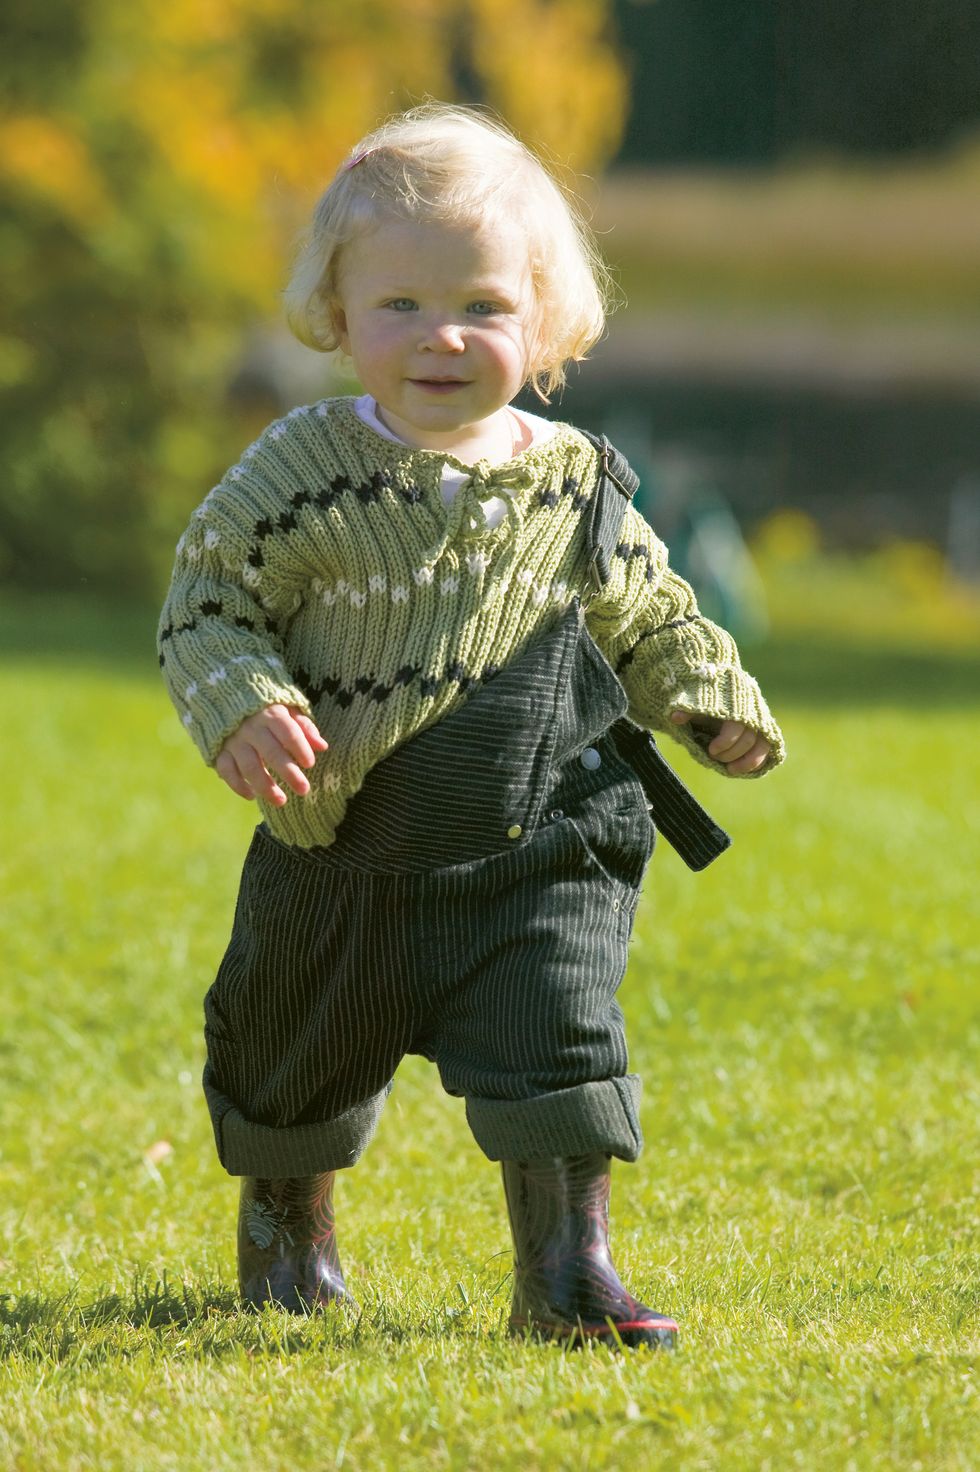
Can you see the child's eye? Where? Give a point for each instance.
(483, 309)
(402, 304)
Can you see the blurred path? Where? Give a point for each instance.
(792, 350)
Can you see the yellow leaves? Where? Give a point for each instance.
(552, 71)
(233, 114)
(187, 24)
(44, 157)
(188, 144)
(214, 155)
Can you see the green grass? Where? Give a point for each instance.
(804, 1015)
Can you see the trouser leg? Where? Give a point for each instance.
(601, 1115)
(308, 1017)
(533, 1037)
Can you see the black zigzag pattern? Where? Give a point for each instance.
(211, 608)
(569, 487)
(171, 630)
(368, 492)
(627, 551)
(372, 689)
(625, 660)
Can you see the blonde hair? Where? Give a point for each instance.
(456, 164)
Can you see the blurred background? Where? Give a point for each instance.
(789, 192)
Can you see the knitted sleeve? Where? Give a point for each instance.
(667, 655)
(219, 636)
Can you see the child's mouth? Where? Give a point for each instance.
(439, 385)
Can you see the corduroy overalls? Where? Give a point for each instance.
(475, 907)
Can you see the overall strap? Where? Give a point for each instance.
(675, 810)
(617, 485)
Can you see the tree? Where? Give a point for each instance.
(157, 162)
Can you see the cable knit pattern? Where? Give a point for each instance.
(325, 571)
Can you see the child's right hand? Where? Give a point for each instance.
(279, 739)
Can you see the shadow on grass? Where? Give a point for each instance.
(156, 1306)
(209, 1320)
(208, 1324)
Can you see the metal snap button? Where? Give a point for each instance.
(615, 904)
(515, 830)
(557, 813)
(590, 759)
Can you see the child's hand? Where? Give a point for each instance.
(280, 739)
(733, 742)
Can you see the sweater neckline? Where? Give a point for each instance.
(532, 428)
(504, 470)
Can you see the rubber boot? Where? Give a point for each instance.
(565, 1284)
(287, 1247)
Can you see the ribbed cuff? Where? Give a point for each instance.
(249, 1149)
(593, 1116)
(728, 694)
(232, 698)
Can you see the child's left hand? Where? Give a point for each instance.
(734, 743)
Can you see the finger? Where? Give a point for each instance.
(255, 773)
(755, 759)
(227, 769)
(279, 732)
(733, 740)
(276, 759)
(734, 754)
(295, 779)
(309, 728)
(701, 725)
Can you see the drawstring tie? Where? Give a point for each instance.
(466, 521)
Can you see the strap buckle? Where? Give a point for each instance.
(594, 580)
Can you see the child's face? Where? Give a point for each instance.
(436, 318)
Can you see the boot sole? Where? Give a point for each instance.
(657, 1334)
(296, 1302)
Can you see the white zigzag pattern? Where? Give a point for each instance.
(476, 565)
(215, 676)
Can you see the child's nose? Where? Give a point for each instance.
(443, 336)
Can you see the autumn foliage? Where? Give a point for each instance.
(156, 164)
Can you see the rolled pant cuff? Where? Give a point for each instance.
(594, 1116)
(249, 1149)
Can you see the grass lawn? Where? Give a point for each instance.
(804, 1015)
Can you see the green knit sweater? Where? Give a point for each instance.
(325, 571)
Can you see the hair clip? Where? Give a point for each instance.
(358, 158)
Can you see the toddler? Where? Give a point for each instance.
(429, 633)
